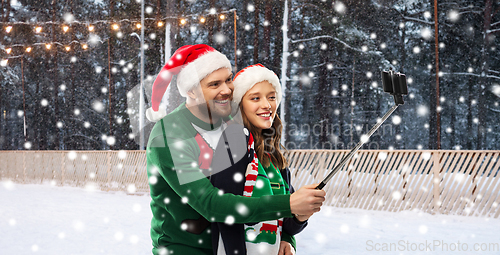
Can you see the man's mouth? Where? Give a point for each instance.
(221, 101)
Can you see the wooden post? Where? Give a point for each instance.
(436, 181)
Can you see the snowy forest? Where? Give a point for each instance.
(71, 69)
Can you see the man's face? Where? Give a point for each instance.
(215, 93)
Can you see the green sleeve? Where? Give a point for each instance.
(289, 239)
(201, 195)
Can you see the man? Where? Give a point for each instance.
(179, 155)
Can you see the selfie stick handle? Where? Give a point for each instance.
(355, 149)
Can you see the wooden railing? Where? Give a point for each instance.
(446, 182)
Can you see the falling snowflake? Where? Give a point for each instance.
(44, 102)
(153, 180)
(416, 49)
(220, 38)
(98, 106)
(111, 140)
(321, 238)
(250, 8)
(72, 155)
(426, 156)
(344, 228)
(242, 209)
(396, 195)
(340, 7)
(119, 236)
(34, 248)
(68, 17)
(396, 120)
(423, 229)
(27, 145)
(382, 156)
(61, 235)
(422, 110)
(238, 177)
(122, 154)
(136, 208)
(453, 15)
(229, 220)
(426, 33)
(78, 225)
(131, 188)
(134, 239)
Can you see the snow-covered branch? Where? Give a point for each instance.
(312, 38)
(489, 31)
(473, 74)
(336, 39)
(418, 20)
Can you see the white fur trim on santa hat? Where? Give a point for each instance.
(252, 75)
(192, 73)
(153, 116)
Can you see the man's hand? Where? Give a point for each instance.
(286, 248)
(307, 200)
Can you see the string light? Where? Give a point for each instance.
(39, 28)
(4, 62)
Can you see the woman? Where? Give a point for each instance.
(257, 92)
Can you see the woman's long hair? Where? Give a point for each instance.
(267, 142)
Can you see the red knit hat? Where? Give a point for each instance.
(191, 63)
(245, 79)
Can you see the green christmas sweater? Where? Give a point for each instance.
(184, 202)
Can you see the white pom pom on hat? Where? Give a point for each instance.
(191, 63)
(245, 79)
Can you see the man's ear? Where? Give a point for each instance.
(191, 94)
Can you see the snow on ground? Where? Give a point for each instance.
(45, 219)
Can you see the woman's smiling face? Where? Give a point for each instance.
(259, 105)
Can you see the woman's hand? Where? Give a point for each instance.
(302, 218)
(307, 200)
(286, 248)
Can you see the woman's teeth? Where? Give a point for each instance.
(265, 115)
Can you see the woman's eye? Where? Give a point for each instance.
(254, 98)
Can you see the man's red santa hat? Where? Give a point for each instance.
(191, 63)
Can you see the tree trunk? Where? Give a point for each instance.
(484, 83)
(111, 91)
(256, 22)
(55, 143)
(268, 16)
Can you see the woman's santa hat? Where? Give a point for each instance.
(245, 79)
(191, 63)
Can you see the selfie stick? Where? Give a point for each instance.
(393, 83)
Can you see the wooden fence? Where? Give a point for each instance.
(446, 182)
